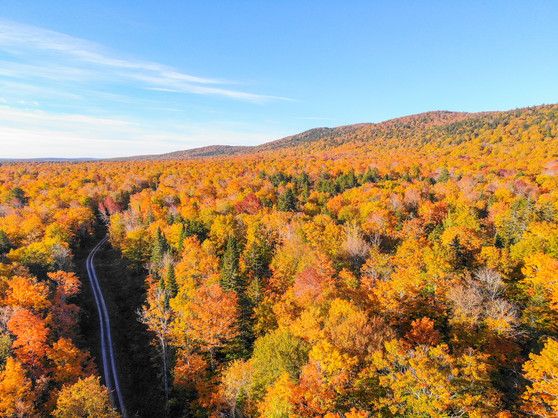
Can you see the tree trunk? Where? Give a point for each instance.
(164, 349)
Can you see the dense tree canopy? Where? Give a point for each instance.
(399, 269)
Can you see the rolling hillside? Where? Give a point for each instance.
(380, 266)
(437, 128)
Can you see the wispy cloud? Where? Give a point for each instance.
(179, 86)
(35, 134)
(314, 118)
(67, 97)
(74, 59)
(31, 118)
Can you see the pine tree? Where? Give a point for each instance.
(303, 180)
(5, 243)
(444, 176)
(257, 258)
(232, 279)
(150, 218)
(178, 218)
(172, 286)
(181, 237)
(287, 201)
(371, 176)
(230, 271)
(160, 247)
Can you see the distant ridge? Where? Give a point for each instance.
(433, 129)
(315, 135)
(45, 160)
(421, 120)
(209, 151)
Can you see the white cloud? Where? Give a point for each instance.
(37, 134)
(32, 118)
(178, 86)
(56, 91)
(314, 118)
(57, 56)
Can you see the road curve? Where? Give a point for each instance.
(107, 352)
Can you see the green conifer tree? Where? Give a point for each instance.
(287, 201)
(160, 247)
(5, 243)
(181, 237)
(232, 279)
(172, 286)
(230, 270)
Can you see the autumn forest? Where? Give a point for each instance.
(405, 268)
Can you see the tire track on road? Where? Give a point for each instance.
(107, 351)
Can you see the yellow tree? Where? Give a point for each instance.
(16, 393)
(24, 292)
(157, 315)
(428, 381)
(69, 362)
(541, 286)
(85, 398)
(541, 397)
(541, 279)
(235, 382)
(277, 402)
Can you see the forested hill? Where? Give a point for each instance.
(406, 268)
(404, 128)
(203, 152)
(438, 129)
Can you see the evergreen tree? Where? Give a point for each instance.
(181, 237)
(414, 172)
(371, 176)
(521, 213)
(233, 280)
(150, 218)
(346, 181)
(304, 194)
(172, 286)
(230, 270)
(547, 212)
(278, 178)
(178, 218)
(444, 176)
(170, 219)
(160, 247)
(303, 180)
(194, 227)
(18, 194)
(5, 243)
(287, 201)
(258, 258)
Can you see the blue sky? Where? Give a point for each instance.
(114, 78)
